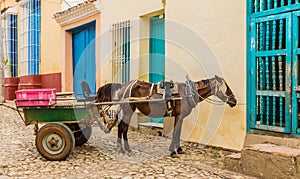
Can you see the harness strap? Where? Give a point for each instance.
(151, 90)
(130, 85)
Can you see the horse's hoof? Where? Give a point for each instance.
(181, 152)
(127, 147)
(174, 155)
(121, 151)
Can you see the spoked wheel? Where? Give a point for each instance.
(82, 132)
(55, 141)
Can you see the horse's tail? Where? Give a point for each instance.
(107, 92)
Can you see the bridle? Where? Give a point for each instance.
(217, 90)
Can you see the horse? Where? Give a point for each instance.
(178, 105)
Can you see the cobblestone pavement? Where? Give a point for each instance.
(100, 159)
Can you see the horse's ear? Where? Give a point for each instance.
(219, 79)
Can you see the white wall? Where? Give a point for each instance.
(114, 11)
(203, 38)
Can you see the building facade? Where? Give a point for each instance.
(31, 55)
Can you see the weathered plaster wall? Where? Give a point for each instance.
(205, 38)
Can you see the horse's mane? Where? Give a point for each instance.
(106, 92)
(206, 82)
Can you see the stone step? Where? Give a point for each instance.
(270, 161)
(151, 125)
(154, 128)
(233, 162)
(252, 138)
(151, 128)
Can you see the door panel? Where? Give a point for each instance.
(157, 53)
(157, 49)
(271, 73)
(84, 59)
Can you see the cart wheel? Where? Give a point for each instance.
(81, 134)
(55, 141)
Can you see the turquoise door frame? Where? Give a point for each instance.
(273, 66)
(157, 53)
(84, 65)
(296, 73)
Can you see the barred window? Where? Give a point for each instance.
(10, 44)
(30, 37)
(121, 52)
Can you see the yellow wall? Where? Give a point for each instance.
(51, 43)
(216, 33)
(7, 3)
(50, 35)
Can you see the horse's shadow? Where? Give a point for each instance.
(144, 148)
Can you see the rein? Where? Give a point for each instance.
(215, 102)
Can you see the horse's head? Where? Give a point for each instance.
(223, 91)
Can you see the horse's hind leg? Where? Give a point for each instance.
(123, 127)
(126, 144)
(126, 121)
(119, 140)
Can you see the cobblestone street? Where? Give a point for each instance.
(100, 159)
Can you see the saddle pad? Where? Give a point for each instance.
(191, 92)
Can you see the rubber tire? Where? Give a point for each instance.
(58, 129)
(81, 135)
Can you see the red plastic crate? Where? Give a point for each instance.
(36, 97)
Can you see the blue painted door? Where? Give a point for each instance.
(84, 69)
(157, 53)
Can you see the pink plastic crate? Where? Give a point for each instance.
(36, 97)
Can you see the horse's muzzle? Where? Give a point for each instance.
(232, 102)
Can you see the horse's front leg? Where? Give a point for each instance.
(175, 144)
(177, 139)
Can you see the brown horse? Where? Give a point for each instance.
(178, 105)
